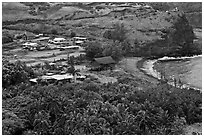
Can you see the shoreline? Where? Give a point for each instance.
(140, 66)
(147, 67)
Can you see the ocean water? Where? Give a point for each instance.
(194, 76)
(187, 70)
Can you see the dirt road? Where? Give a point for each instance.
(130, 65)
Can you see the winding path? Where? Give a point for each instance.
(130, 65)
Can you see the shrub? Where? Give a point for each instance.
(7, 39)
(54, 31)
(14, 73)
(73, 34)
(118, 34)
(93, 50)
(91, 108)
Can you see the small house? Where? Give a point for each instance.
(56, 78)
(58, 41)
(41, 39)
(79, 40)
(103, 63)
(70, 48)
(30, 46)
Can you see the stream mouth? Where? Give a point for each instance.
(182, 72)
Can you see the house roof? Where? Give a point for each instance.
(57, 77)
(58, 39)
(42, 38)
(79, 41)
(61, 77)
(30, 44)
(33, 80)
(105, 60)
(82, 38)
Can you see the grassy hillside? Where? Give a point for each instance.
(145, 25)
(193, 10)
(12, 11)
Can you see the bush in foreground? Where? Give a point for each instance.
(111, 109)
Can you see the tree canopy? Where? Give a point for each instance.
(93, 49)
(117, 34)
(14, 73)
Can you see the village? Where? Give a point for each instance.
(51, 53)
(60, 59)
(101, 68)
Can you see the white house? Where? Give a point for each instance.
(57, 41)
(72, 48)
(79, 38)
(30, 45)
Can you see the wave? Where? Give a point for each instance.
(178, 58)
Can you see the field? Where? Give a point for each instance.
(13, 11)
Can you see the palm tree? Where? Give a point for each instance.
(72, 70)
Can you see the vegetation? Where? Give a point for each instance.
(114, 50)
(192, 10)
(90, 108)
(15, 73)
(6, 37)
(93, 50)
(73, 34)
(184, 6)
(126, 107)
(121, 30)
(118, 34)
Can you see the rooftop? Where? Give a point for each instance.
(30, 44)
(105, 60)
(79, 41)
(58, 39)
(61, 77)
(80, 38)
(42, 38)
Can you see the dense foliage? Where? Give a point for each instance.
(118, 33)
(93, 50)
(6, 37)
(184, 6)
(176, 40)
(14, 73)
(90, 108)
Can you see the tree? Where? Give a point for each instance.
(54, 31)
(181, 35)
(118, 34)
(114, 50)
(6, 37)
(126, 47)
(136, 47)
(107, 34)
(47, 65)
(72, 69)
(73, 34)
(93, 50)
(14, 73)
